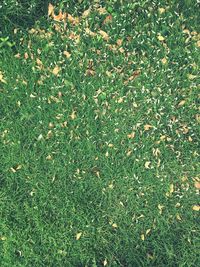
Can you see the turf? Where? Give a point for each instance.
(99, 145)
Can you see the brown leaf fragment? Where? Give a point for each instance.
(104, 35)
(108, 19)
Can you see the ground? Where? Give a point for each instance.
(99, 137)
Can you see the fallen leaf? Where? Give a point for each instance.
(114, 225)
(86, 13)
(73, 20)
(108, 19)
(160, 38)
(50, 10)
(105, 262)
(131, 136)
(171, 188)
(197, 185)
(26, 55)
(196, 207)
(104, 35)
(56, 70)
(40, 137)
(178, 217)
(148, 231)
(102, 10)
(180, 104)
(39, 62)
(119, 42)
(78, 236)
(191, 76)
(59, 17)
(147, 127)
(2, 78)
(89, 32)
(164, 60)
(142, 237)
(73, 115)
(161, 10)
(198, 43)
(67, 54)
(147, 164)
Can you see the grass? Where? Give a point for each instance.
(99, 147)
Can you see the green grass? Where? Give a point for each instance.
(69, 164)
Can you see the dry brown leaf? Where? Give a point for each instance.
(147, 127)
(89, 32)
(119, 42)
(131, 136)
(86, 13)
(26, 55)
(56, 70)
(39, 62)
(67, 54)
(104, 35)
(50, 10)
(197, 185)
(58, 17)
(108, 19)
(102, 10)
(180, 104)
(73, 20)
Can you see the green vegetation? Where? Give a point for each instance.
(99, 135)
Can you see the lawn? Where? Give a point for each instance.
(99, 130)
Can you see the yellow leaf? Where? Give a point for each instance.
(147, 127)
(104, 35)
(58, 17)
(147, 164)
(142, 237)
(161, 10)
(178, 217)
(191, 76)
(102, 10)
(119, 42)
(86, 13)
(148, 231)
(164, 60)
(39, 62)
(89, 32)
(56, 70)
(114, 225)
(2, 78)
(197, 185)
(198, 43)
(78, 236)
(160, 37)
(131, 136)
(196, 207)
(181, 103)
(67, 54)
(50, 10)
(72, 19)
(171, 188)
